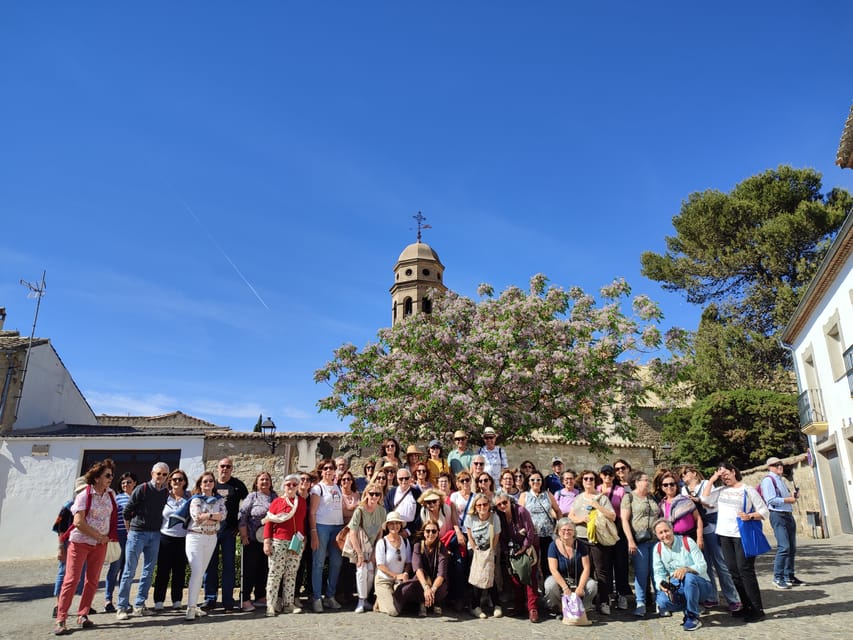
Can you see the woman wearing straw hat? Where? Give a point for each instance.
(393, 564)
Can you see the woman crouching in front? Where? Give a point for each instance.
(429, 562)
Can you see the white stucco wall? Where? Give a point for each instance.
(33, 489)
(50, 395)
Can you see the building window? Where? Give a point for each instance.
(848, 365)
(408, 272)
(835, 346)
(407, 307)
(426, 305)
(426, 272)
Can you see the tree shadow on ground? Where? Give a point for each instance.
(25, 593)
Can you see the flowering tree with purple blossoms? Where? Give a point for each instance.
(550, 360)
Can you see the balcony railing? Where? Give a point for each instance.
(812, 415)
(848, 366)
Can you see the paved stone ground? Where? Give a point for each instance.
(821, 610)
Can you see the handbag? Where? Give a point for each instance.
(752, 536)
(113, 552)
(297, 543)
(574, 613)
(482, 569)
(341, 538)
(601, 530)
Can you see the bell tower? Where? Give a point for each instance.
(417, 273)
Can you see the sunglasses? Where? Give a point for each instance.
(668, 484)
(369, 468)
(390, 446)
(459, 439)
(108, 475)
(502, 504)
(519, 476)
(289, 484)
(464, 480)
(208, 481)
(374, 494)
(589, 479)
(226, 466)
(483, 481)
(328, 468)
(621, 468)
(482, 505)
(346, 479)
(489, 437)
(479, 464)
(431, 531)
(304, 479)
(401, 479)
(420, 470)
(179, 479)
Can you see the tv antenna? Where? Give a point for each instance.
(35, 291)
(420, 219)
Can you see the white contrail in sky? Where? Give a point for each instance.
(222, 251)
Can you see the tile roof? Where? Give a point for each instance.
(13, 341)
(63, 430)
(173, 419)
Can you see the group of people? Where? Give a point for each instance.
(417, 530)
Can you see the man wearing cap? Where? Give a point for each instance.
(496, 460)
(781, 504)
(554, 481)
(460, 458)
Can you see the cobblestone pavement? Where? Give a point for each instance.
(822, 609)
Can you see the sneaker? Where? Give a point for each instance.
(498, 613)
(84, 623)
(248, 607)
(735, 607)
(477, 612)
(296, 610)
(780, 585)
(331, 603)
(710, 604)
(422, 611)
(158, 607)
(140, 611)
(207, 604)
(796, 582)
(177, 605)
(622, 602)
(665, 614)
(437, 610)
(122, 614)
(604, 609)
(199, 613)
(640, 611)
(60, 629)
(361, 606)
(190, 614)
(109, 608)
(691, 624)
(317, 606)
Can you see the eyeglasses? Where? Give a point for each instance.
(589, 478)
(481, 505)
(502, 504)
(668, 484)
(431, 532)
(160, 474)
(374, 494)
(420, 470)
(459, 439)
(621, 468)
(402, 478)
(328, 468)
(346, 479)
(464, 480)
(226, 466)
(289, 484)
(479, 464)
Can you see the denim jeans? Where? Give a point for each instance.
(326, 534)
(714, 559)
(226, 546)
(691, 591)
(114, 570)
(139, 543)
(60, 577)
(643, 569)
(785, 530)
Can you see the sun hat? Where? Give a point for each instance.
(773, 461)
(80, 484)
(490, 431)
(431, 494)
(459, 434)
(393, 516)
(413, 450)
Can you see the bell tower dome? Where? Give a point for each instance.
(417, 273)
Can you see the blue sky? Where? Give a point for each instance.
(162, 160)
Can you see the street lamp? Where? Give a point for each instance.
(268, 429)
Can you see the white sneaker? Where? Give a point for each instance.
(331, 603)
(177, 605)
(317, 606)
(361, 605)
(140, 611)
(296, 610)
(122, 614)
(158, 606)
(499, 613)
(190, 614)
(477, 612)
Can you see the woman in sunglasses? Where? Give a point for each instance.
(585, 503)
(365, 528)
(95, 524)
(284, 541)
(393, 564)
(519, 554)
(390, 451)
(483, 528)
(207, 512)
(680, 510)
(368, 469)
(422, 476)
(507, 483)
(544, 511)
(326, 517)
(428, 588)
(172, 554)
(485, 485)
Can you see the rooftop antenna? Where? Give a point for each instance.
(420, 219)
(35, 291)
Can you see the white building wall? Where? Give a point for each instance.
(50, 395)
(33, 489)
(835, 391)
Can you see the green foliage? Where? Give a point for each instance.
(550, 360)
(257, 428)
(748, 255)
(744, 426)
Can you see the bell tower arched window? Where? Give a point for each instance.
(407, 307)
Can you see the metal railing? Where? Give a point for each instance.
(810, 405)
